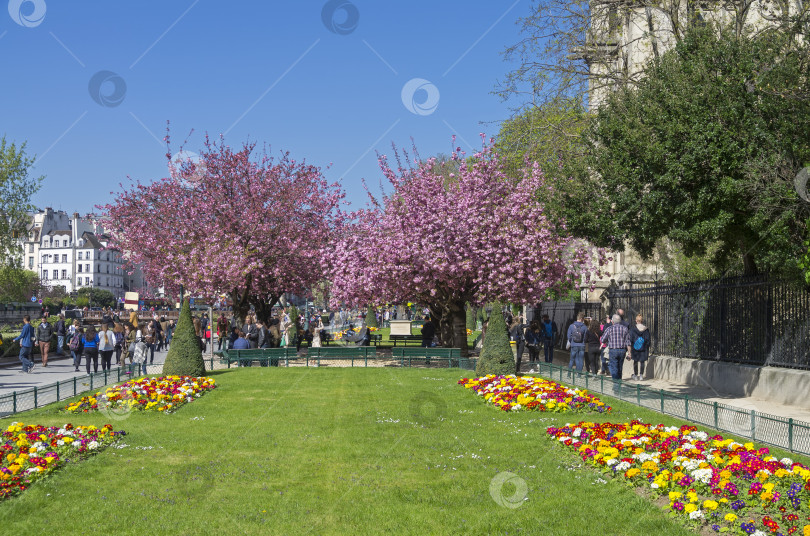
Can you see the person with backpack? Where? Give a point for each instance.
(76, 345)
(593, 349)
(118, 332)
(533, 341)
(576, 339)
(640, 349)
(548, 330)
(60, 335)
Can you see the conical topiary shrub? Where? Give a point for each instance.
(496, 355)
(371, 318)
(184, 357)
(471, 317)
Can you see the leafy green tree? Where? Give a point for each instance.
(371, 318)
(185, 356)
(97, 296)
(704, 151)
(16, 190)
(17, 284)
(496, 355)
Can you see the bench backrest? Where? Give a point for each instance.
(342, 351)
(258, 353)
(426, 352)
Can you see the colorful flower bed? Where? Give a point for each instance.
(28, 453)
(709, 481)
(511, 393)
(164, 394)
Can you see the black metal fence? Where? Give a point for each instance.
(747, 319)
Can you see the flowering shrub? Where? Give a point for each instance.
(28, 453)
(164, 394)
(511, 393)
(708, 480)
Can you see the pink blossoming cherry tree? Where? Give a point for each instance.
(454, 233)
(252, 227)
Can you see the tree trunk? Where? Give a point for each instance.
(457, 318)
(264, 308)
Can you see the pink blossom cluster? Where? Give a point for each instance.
(230, 222)
(474, 235)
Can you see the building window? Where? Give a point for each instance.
(98, 268)
(80, 255)
(64, 274)
(30, 262)
(80, 267)
(56, 274)
(86, 280)
(64, 258)
(64, 243)
(30, 248)
(45, 275)
(87, 268)
(108, 268)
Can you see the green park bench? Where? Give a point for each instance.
(451, 355)
(405, 339)
(263, 356)
(363, 353)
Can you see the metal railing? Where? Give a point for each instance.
(788, 434)
(37, 397)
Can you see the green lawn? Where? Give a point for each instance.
(331, 451)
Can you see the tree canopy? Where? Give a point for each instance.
(705, 149)
(16, 190)
(232, 222)
(473, 236)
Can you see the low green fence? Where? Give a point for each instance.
(36, 397)
(789, 434)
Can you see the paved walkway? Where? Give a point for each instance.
(706, 393)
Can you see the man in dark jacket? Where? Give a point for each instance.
(428, 332)
(44, 333)
(61, 331)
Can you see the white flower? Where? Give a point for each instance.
(759, 533)
(612, 461)
(578, 432)
(92, 445)
(623, 466)
(702, 475)
(697, 514)
(787, 462)
(654, 485)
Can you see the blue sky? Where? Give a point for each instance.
(273, 72)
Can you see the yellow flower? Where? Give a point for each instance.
(673, 495)
(731, 518)
(710, 505)
(689, 508)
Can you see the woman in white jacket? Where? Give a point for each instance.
(106, 346)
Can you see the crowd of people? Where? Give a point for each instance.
(132, 342)
(597, 347)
